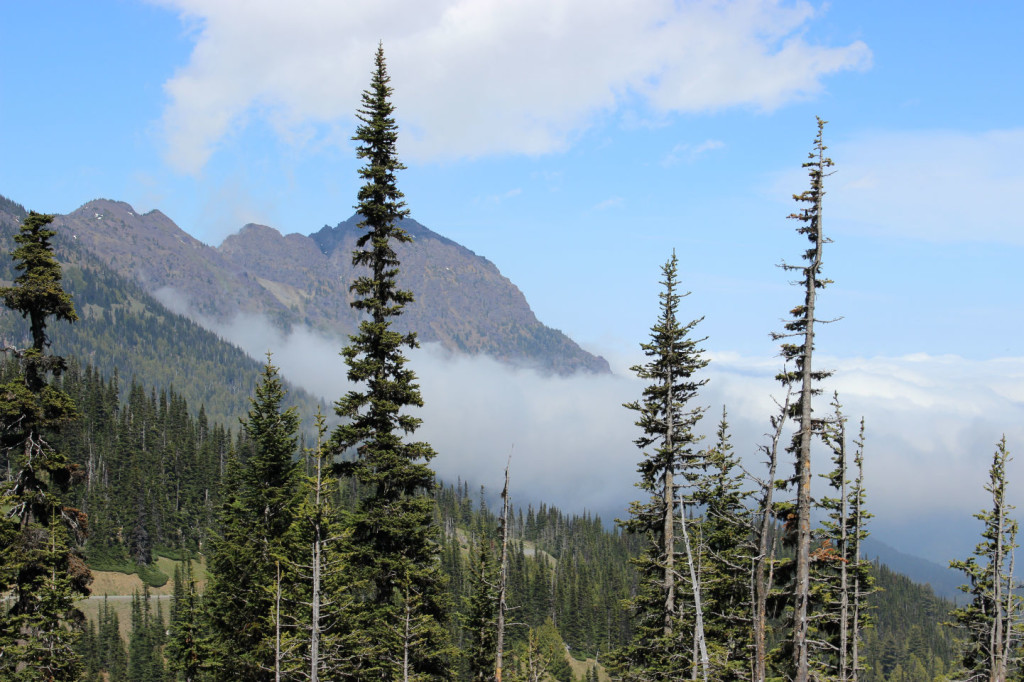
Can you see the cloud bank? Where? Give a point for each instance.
(932, 426)
(474, 77)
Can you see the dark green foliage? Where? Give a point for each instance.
(481, 612)
(40, 566)
(663, 627)
(568, 569)
(540, 656)
(261, 498)
(146, 640)
(316, 587)
(725, 533)
(990, 621)
(152, 471)
(393, 533)
(907, 632)
(187, 647)
(102, 647)
(38, 294)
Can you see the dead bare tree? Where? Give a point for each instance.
(762, 575)
(502, 577)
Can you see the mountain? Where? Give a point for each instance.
(943, 580)
(123, 328)
(463, 302)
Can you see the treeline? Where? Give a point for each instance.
(152, 471)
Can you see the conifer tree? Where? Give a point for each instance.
(481, 617)
(802, 378)
(113, 659)
(667, 423)
(842, 578)
(41, 569)
(991, 620)
(145, 642)
(861, 568)
(315, 611)
(725, 530)
(395, 540)
(187, 643)
(263, 494)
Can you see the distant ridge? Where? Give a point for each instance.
(943, 580)
(123, 329)
(463, 302)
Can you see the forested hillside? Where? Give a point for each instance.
(155, 469)
(123, 328)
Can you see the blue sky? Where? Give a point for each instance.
(577, 143)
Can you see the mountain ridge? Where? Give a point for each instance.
(463, 302)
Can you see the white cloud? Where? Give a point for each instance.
(610, 202)
(687, 152)
(932, 425)
(937, 186)
(510, 194)
(474, 77)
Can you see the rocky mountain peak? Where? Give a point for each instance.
(462, 300)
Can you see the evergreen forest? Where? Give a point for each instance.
(269, 536)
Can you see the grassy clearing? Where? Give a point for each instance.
(121, 604)
(581, 668)
(119, 588)
(126, 584)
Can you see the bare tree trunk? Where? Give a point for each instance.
(997, 655)
(698, 632)
(803, 326)
(996, 658)
(277, 625)
(314, 635)
(668, 527)
(1008, 610)
(857, 525)
(502, 578)
(844, 553)
(760, 576)
(407, 639)
(317, 559)
(803, 503)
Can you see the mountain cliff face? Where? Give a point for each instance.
(462, 301)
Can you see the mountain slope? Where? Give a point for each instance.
(462, 301)
(123, 328)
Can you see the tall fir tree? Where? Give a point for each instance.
(395, 539)
(802, 378)
(666, 420)
(263, 495)
(991, 619)
(41, 570)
